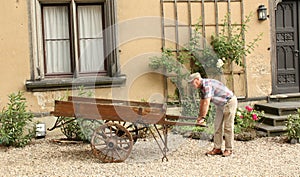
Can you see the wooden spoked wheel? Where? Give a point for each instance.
(111, 142)
(136, 130)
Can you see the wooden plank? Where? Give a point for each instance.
(176, 117)
(148, 115)
(62, 108)
(174, 123)
(115, 101)
(134, 114)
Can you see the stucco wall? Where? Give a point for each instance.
(140, 39)
(14, 48)
(259, 62)
(139, 26)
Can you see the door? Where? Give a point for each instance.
(287, 75)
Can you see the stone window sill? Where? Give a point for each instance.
(69, 83)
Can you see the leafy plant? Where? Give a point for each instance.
(230, 44)
(71, 128)
(76, 128)
(246, 119)
(14, 122)
(201, 56)
(172, 65)
(293, 126)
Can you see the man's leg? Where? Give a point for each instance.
(218, 126)
(218, 134)
(229, 115)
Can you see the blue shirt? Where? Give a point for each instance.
(215, 90)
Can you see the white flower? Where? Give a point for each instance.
(220, 63)
(238, 113)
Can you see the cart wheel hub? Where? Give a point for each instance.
(110, 145)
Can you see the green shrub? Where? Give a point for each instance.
(14, 121)
(172, 64)
(71, 128)
(293, 126)
(230, 44)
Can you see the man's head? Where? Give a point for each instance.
(195, 79)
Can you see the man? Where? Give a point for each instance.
(214, 91)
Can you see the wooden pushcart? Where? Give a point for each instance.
(113, 140)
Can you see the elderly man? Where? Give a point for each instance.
(214, 91)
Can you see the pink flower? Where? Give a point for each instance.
(249, 108)
(254, 117)
(241, 116)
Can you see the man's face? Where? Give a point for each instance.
(196, 83)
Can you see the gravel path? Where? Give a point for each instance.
(260, 157)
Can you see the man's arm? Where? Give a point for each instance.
(204, 106)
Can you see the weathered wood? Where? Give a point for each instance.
(118, 110)
(116, 102)
(174, 123)
(147, 115)
(176, 117)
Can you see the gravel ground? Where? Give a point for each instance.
(260, 157)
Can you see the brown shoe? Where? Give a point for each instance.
(214, 152)
(227, 153)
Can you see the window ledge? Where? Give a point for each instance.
(69, 83)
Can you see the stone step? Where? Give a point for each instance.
(278, 108)
(274, 120)
(285, 97)
(271, 130)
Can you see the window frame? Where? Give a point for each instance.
(39, 82)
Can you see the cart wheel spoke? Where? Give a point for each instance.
(123, 149)
(110, 132)
(124, 143)
(101, 135)
(111, 142)
(118, 154)
(100, 145)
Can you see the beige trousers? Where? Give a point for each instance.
(224, 124)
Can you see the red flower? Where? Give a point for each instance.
(241, 116)
(254, 117)
(249, 108)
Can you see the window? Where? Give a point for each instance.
(71, 40)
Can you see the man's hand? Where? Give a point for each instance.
(201, 121)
